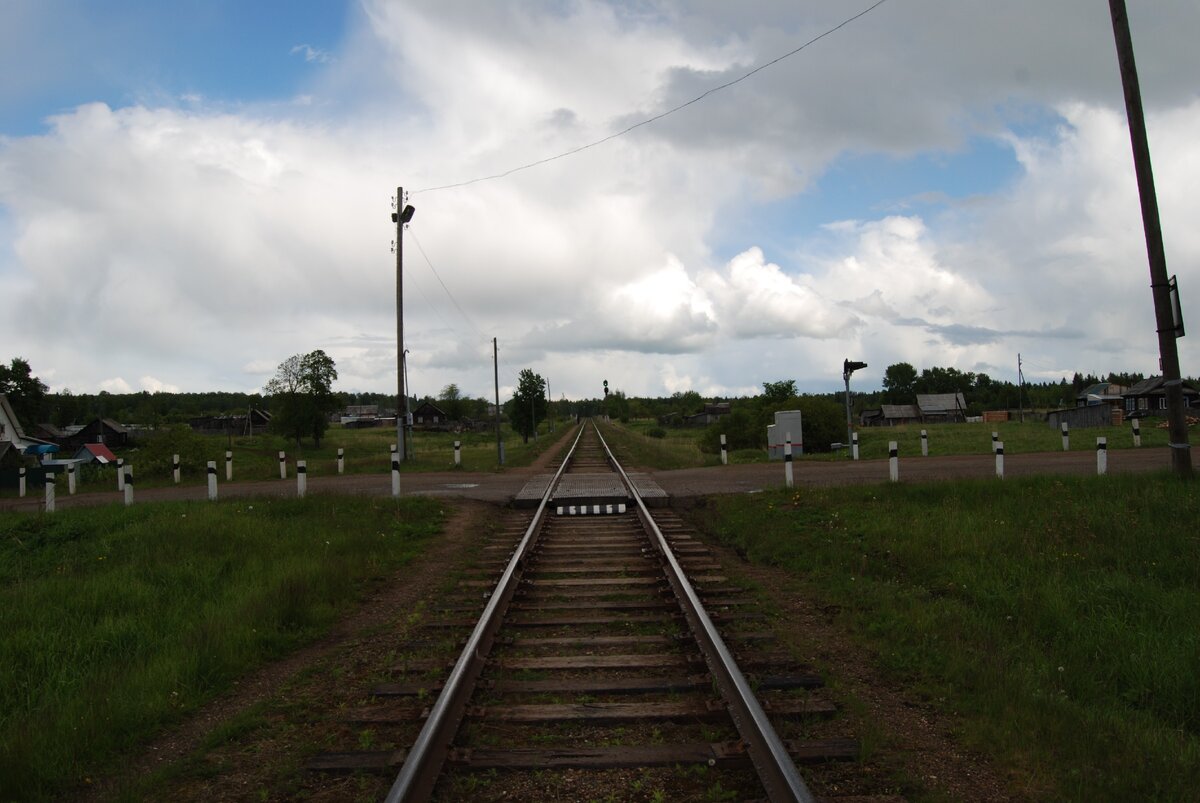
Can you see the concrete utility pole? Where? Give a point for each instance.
(1167, 324)
(400, 217)
(496, 378)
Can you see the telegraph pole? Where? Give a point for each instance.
(1167, 324)
(496, 378)
(400, 217)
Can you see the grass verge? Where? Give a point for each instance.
(1055, 618)
(116, 622)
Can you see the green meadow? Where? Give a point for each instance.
(117, 622)
(1055, 619)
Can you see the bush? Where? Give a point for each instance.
(656, 432)
(746, 426)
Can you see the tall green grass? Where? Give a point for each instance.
(1057, 617)
(115, 622)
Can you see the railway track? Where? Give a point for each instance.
(607, 658)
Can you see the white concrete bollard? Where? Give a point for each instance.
(341, 460)
(49, 492)
(120, 474)
(1066, 435)
(175, 468)
(458, 453)
(128, 486)
(301, 478)
(1101, 456)
(395, 473)
(212, 480)
(893, 461)
(924, 443)
(788, 479)
(724, 451)
(1000, 459)
(1137, 433)
(283, 465)
(71, 480)
(228, 466)
(854, 445)
(21, 482)
(995, 440)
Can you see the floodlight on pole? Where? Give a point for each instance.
(849, 367)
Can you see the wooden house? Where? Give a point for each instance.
(1149, 397)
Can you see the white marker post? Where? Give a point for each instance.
(1066, 433)
(71, 480)
(854, 445)
(341, 460)
(212, 480)
(1137, 433)
(724, 451)
(1101, 456)
(301, 478)
(1000, 459)
(49, 492)
(788, 480)
(21, 482)
(995, 440)
(228, 466)
(458, 453)
(283, 465)
(120, 474)
(395, 473)
(128, 486)
(175, 468)
(893, 461)
(924, 443)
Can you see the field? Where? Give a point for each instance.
(1055, 619)
(116, 623)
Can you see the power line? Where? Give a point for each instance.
(449, 295)
(660, 116)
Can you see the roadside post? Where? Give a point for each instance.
(1000, 459)
(228, 465)
(995, 440)
(212, 480)
(341, 460)
(1101, 456)
(893, 461)
(924, 443)
(788, 480)
(724, 451)
(128, 486)
(1066, 435)
(283, 465)
(854, 445)
(458, 453)
(175, 467)
(120, 474)
(395, 472)
(49, 492)
(301, 478)
(21, 482)
(1137, 433)
(71, 480)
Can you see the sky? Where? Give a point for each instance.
(192, 192)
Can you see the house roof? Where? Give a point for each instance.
(900, 411)
(97, 451)
(934, 403)
(1154, 384)
(430, 405)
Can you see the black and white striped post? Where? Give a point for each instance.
(1101, 456)
(1000, 459)
(1137, 433)
(924, 443)
(49, 492)
(175, 468)
(854, 445)
(788, 480)
(301, 478)
(212, 480)
(724, 451)
(458, 453)
(1066, 435)
(395, 472)
(228, 465)
(995, 440)
(21, 482)
(120, 474)
(71, 480)
(128, 486)
(893, 461)
(341, 461)
(283, 465)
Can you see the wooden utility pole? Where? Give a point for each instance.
(1181, 456)
(401, 392)
(496, 377)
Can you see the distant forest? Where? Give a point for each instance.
(980, 391)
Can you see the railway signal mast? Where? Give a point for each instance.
(849, 367)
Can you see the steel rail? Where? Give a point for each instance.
(776, 769)
(423, 764)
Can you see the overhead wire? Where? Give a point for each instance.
(657, 117)
(449, 295)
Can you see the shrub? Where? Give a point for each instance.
(656, 432)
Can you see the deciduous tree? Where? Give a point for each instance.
(302, 396)
(528, 404)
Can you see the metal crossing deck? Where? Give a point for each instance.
(590, 489)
